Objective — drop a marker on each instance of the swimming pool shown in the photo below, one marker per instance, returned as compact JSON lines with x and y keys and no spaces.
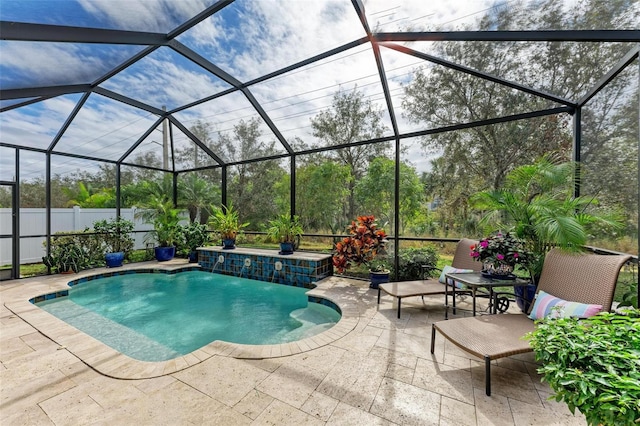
{"x":158,"y":316}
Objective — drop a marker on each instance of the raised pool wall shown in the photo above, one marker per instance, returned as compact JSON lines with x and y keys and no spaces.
{"x":300,"y":269}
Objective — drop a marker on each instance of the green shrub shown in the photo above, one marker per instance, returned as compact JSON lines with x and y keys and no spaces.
{"x":115,"y":235}
{"x":414,"y":260}
{"x":76,"y":251}
{"x":593,"y":364}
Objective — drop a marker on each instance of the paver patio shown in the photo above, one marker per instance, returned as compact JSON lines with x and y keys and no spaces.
{"x":375,"y":370}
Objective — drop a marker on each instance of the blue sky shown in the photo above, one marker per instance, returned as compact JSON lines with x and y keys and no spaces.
{"x":246,"y":39}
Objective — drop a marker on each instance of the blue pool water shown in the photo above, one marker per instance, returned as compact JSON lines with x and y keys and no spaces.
{"x":155,"y":317}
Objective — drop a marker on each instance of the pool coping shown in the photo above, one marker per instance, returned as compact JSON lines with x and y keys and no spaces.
{"x":111,"y":363}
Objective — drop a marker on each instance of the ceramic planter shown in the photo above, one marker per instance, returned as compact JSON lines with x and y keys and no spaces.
{"x":114,"y":260}
{"x":524,"y":296}
{"x":228,"y":243}
{"x":378,"y":278}
{"x":286,"y":248}
{"x":165,"y":253}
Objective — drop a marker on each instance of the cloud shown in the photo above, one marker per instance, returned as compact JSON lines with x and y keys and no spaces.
{"x":151,"y":16}
{"x":247,"y":39}
{"x":31,"y":64}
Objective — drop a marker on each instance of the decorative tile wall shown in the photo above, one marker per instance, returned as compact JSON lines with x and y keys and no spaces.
{"x":299,"y":269}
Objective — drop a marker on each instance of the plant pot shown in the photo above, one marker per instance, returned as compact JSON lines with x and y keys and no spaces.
{"x":524,"y":296}
{"x":378,"y":278}
{"x":228,"y":243}
{"x":114,"y":260}
{"x":193,"y":256}
{"x":165,"y":253}
{"x":286,"y":248}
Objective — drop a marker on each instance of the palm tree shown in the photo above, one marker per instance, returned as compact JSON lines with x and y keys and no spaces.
{"x":537,"y":203}
{"x":196,"y":195}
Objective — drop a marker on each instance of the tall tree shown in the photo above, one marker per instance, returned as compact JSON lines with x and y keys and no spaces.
{"x":197,"y":195}
{"x":438,"y":96}
{"x":375,"y":192}
{"x":322,"y":192}
{"x":351,"y":118}
{"x":250,"y":185}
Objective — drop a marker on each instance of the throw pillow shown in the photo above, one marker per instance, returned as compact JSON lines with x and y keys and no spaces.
{"x":545,"y":302}
{"x":451,"y":270}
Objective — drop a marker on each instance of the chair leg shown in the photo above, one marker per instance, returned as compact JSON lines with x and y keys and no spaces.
{"x":433,"y":337}
{"x":487,"y":374}
{"x":399,"y":303}
{"x":453,"y":298}
{"x":378,"y":294}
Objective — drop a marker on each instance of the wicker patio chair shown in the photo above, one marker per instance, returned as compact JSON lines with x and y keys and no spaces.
{"x":430,"y":287}
{"x":583,"y":278}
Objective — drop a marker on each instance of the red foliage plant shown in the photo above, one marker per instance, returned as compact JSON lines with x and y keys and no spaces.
{"x":361,"y":246}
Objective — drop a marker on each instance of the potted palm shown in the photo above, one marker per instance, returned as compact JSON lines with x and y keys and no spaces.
{"x":364,"y":243}
{"x":226,"y":221}
{"x":116,"y":239}
{"x":287,"y":230}
{"x":195,"y":235}
{"x":538,"y":206}
{"x":166,"y":228}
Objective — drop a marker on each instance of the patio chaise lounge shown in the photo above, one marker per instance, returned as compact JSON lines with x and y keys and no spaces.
{"x":588,"y":279}
{"x":429,"y":287}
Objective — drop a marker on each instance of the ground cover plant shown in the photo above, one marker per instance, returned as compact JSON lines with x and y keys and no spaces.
{"x":593,"y":364}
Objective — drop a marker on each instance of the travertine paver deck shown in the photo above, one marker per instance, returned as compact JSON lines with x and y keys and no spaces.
{"x":372,"y":369}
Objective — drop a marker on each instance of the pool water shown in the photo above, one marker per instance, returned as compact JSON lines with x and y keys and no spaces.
{"x":156,"y":316}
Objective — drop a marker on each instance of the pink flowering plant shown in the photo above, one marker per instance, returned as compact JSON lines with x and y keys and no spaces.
{"x":499,"y":249}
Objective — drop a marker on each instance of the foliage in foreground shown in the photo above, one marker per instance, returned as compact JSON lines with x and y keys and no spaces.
{"x":593,"y":364}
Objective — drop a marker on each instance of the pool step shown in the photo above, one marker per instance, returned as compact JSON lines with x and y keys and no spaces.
{"x":109,"y":332}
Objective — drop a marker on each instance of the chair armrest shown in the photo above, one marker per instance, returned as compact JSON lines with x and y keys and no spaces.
{"x":427,"y":271}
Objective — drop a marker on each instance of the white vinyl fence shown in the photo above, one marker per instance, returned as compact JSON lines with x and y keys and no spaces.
{"x":34,"y":222}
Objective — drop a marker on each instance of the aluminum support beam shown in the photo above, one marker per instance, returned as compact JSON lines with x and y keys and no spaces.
{"x":22,"y":31}
{"x":534,"y":35}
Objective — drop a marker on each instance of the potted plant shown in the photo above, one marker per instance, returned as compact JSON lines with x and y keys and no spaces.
{"x":364,"y":243}
{"x":66,"y":255}
{"x":599,"y":372}
{"x":166,"y":228}
{"x":499,"y":254}
{"x":287,"y":230}
{"x":379,"y":271}
{"x":226,"y":221}
{"x":116,"y":239}
{"x":538,"y":205}
{"x":195,"y":235}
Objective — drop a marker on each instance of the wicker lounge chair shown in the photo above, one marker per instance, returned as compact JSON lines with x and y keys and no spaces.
{"x":583,"y":278}
{"x":430,"y":287}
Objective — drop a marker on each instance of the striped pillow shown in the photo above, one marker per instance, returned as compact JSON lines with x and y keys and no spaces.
{"x":451,"y":270}
{"x":545,"y":302}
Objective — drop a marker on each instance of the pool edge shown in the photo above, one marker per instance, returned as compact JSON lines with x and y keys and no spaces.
{"x":109,"y":362}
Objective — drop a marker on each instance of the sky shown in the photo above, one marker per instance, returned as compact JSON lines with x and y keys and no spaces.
{"x":246,"y":39}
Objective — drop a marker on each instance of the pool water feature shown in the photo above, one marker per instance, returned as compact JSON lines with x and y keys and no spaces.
{"x":156,"y":316}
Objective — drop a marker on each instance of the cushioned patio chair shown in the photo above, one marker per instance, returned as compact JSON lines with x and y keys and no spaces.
{"x":462,"y":260}
{"x":583,"y":278}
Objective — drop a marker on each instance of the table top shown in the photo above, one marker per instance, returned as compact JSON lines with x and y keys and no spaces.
{"x":478,"y":280}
